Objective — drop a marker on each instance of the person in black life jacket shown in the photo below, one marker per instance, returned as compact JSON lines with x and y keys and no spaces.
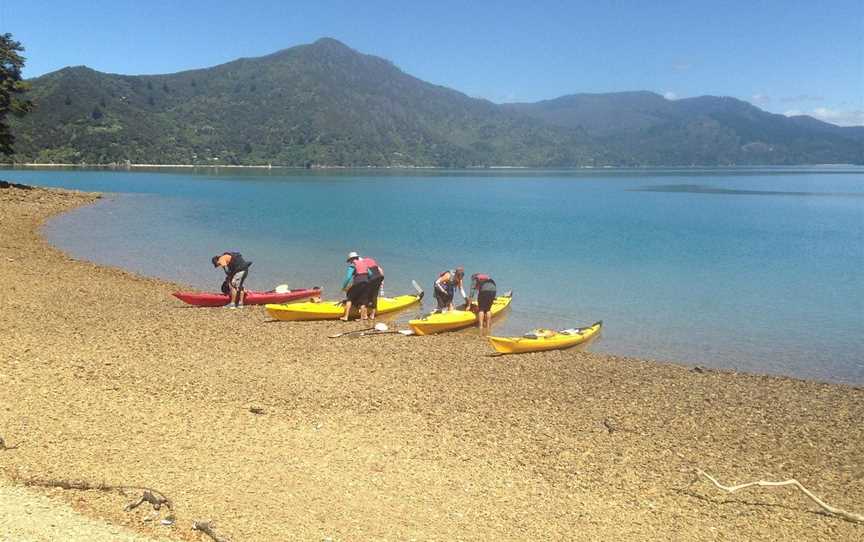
{"x":486,"y":292}
{"x":445,"y":288}
{"x":236,"y":271}
{"x":355,"y":285}
{"x":373,"y":289}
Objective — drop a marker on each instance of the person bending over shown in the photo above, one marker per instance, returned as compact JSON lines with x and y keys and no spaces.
{"x":373,"y":289}
{"x":445,"y":288}
{"x":236,"y":271}
{"x":486,"y":292}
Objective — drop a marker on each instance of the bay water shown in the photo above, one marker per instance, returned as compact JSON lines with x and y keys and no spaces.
{"x":752,"y":269}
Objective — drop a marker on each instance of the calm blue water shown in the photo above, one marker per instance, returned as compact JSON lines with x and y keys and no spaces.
{"x":711,"y":267}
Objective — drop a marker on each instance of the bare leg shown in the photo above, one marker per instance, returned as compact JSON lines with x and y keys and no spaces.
{"x":242,"y":297}
{"x":347,"y":311}
{"x":363,"y":312}
{"x":233,"y":300}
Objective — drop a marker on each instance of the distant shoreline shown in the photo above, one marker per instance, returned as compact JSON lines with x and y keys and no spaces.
{"x":33,"y":165}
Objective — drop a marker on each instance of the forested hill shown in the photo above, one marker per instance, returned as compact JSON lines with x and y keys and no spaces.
{"x":646,"y":128}
{"x":326,"y":104}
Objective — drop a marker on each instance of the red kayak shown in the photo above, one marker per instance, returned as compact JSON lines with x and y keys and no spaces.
{"x":252,"y":298}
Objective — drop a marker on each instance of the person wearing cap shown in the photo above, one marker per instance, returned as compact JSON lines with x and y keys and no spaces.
{"x":486,"y":292}
{"x":445,"y":286}
{"x":355,"y":285}
{"x":236,"y":270}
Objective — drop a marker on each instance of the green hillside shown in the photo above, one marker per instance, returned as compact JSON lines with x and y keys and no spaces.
{"x":645,"y":128}
{"x":326,"y":104}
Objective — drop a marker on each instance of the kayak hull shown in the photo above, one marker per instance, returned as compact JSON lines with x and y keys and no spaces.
{"x":556,"y":341}
{"x":332,"y":310}
{"x":205,"y":299}
{"x":439,"y":322}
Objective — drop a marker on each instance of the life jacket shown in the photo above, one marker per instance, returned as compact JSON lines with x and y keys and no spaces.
{"x":449,"y":286}
{"x":372,"y":268}
{"x":361,"y":266}
{"x":481,"y":278}
{"x":452,"y":275}
{"x":237,"y":263}
{"x":361,"y":271}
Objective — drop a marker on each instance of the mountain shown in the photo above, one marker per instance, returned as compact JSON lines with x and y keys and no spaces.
{"x":646,"y":128}
{"x":327,"y":104}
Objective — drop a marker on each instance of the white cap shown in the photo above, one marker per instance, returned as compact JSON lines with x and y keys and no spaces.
{"x":352,"y":255}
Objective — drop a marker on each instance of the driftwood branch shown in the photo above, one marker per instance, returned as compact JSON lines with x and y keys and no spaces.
{"x":207,"y":528}
{"x":848,"y":516}
{"x":157,"y":499}
{"x":612,"y":426}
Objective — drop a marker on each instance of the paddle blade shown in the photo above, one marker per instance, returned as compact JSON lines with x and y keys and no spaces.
{"x":417,"y":287}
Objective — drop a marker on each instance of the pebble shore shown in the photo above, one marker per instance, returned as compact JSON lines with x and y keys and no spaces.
{"x":275,"y":432}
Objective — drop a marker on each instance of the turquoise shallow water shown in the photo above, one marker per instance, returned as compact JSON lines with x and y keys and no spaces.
{"x":758,"y":270}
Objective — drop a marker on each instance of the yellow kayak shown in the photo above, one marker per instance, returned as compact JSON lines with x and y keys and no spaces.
{"x":545,"y":339}
{"x":455,"y":319}
{"x":331,"y":310}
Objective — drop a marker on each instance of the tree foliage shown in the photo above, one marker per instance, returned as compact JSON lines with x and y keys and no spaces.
{"x":326,"y":104}
{"x":11,"y":85}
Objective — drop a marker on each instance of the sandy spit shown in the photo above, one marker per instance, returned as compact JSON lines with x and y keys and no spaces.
{"x":105,"y":378}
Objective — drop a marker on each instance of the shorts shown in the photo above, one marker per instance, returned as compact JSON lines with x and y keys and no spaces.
{"x":485,"y":299}
{"x":357,"y":293}
{"x":374,"y":290}
{"x":237,"y":279}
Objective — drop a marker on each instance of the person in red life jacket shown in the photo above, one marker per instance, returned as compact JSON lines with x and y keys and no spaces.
{"x":236,"y":271}
{"x":486,"y":292}
{"x":445,"y":288}
{"x":356,"y":286}
{"x":373,"y":289}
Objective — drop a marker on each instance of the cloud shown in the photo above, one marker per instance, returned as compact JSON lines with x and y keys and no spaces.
{"x":760,"y":99}
{"x":840,"y":117}
{"x":669,"y":95}
{"x":802,"y":98}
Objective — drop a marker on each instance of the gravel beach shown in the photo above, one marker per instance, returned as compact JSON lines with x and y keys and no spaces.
{"x":273,"y":431}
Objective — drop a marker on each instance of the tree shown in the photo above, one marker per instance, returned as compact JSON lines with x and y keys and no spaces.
{"x":11,"y":85}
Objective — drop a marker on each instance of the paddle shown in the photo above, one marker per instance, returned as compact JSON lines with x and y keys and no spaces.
{"x":406,"y":332}
{"x":350,"y":332}
{"x":377,"y":328}
{"x":417,"y":287}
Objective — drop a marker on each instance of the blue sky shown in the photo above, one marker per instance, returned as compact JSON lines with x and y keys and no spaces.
{"x":789,"y":56}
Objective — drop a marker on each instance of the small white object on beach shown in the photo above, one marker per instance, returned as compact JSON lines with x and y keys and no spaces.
{"x":282,"y":289}
{"x":381,"y":326}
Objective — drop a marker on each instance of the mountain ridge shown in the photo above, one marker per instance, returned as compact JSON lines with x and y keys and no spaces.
{"x":325,"y":103}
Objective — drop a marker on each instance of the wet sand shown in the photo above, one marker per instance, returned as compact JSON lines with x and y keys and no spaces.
{"x":105,"y":377}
